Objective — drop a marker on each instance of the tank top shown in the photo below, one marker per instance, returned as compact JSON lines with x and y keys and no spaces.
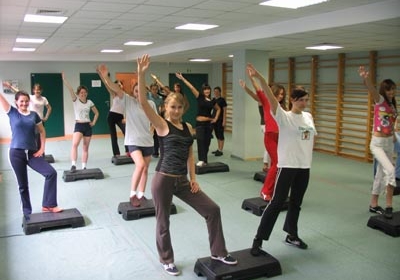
{"x":174,"y":150}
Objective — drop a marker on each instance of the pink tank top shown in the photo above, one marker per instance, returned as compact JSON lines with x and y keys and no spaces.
{"x":384,"y":118}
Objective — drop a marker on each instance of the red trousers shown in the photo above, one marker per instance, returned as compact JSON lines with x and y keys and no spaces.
{"x":271,"y":145}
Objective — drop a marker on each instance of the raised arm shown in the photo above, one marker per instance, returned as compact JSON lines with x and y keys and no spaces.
{"x":4,"y":103}
{"x":248,"y":91}
{"x":188,"y":84}
{"x":112,"y":88}
{"x":10,"y":86}
{"x":364,"y":74}
{"x":267,"y":90}
{"x":158,"y":122}
{"x":69,"y":87}
{"x":162,"y":86}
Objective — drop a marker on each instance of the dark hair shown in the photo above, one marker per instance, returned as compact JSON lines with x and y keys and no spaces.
{"x":297,"y":93}
{"x":118,"y":82}
{"x":154,"y":85}
{"x":387,"y":85}
{"x":80,"y":88}
{"x":276,"y":89}
{"x":218,"y":88}
{"x":21,"y":93}
{"x":205,"y":87}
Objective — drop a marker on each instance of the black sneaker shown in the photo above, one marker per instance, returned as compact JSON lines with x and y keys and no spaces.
{"x":295,"y":241}
{"x":218,"y":153}
{"x":377,"y":210}
{"x":171,"y":269}
{"x":73,"y":168}
{"x":388,"y":213}
{"x":228,"y":259}
{"x":214,"y":151}
{"x":256,"y":247}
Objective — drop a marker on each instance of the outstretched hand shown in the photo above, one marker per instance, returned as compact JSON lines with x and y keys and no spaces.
{"x":362,"y":72}
{"x":251,"y":70}
{"x":102,"y":70}
{"x":242,"y":83}
{"x":143,"y":63}
{"x":179,"y":75}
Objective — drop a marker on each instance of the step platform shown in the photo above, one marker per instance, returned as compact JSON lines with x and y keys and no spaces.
{"x":49,"y":158}
{"x":212,"y":167}
{"x":80,"y":174}
{"x":248,"y":267}
{"x":257,"y":205}
{"x":144,"y":210}
{"x":37,"y":222}
{"x":119,"y":160}
{"x":388,"y":226}
{"x":260,"y":176}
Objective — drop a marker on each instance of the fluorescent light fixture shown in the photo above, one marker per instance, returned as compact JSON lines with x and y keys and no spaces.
{"x":199,"y":59}
{"x":137,"y":43}
{"x":24,"y":49}
{"x":324,"y":47}
{"x":231,"y":55}
{"x":44,"y":19}
{"x":29,"y":40}
{"x":111,"y":51}
{"x":195,"y":26}
{"x":291,"y":4}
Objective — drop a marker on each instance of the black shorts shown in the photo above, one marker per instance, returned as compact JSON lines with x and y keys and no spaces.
{"x":146,"y":151}
{"x":83,"y":128}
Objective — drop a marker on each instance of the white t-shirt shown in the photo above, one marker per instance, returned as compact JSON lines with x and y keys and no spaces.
{"x":296,"y":138}
{"x":118,"y":105}
{"x":37,"y":104}
{"x":137,"y":131}
{"x":82,"y":110}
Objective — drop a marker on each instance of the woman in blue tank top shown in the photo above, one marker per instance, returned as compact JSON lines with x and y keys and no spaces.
{"x":176,"y":161}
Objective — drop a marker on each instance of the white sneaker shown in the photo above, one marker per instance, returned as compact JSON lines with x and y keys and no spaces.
{"x":201,"y":163}
{"x":171,"y":269}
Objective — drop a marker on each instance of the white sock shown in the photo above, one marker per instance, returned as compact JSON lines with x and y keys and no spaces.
{"x":83,"y":165}
{"x":133,"y":193}
{"x":140,"y":194}
{"x":74,"y":162}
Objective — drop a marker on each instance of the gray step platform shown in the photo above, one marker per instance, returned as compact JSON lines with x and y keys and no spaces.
{"x":37,"y":222}
{"x":248,"y":267}
{"x":212,"y":167}
{"x":119,"y":160}
{"x":144,"y":210}
{"x":49,"y":158}
{"x":388,"y":226}
{"x":257,"y":205}
{"x":80,"y":174}
{"x":260,"y":176}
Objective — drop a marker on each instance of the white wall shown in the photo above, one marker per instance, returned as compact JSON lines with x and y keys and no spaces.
{"x":21,"y":71}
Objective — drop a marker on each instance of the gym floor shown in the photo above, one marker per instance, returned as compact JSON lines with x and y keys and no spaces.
{"x":333,"y":222}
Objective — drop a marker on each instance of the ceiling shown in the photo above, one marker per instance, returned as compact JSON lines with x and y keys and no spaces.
{"x":93,"y":25}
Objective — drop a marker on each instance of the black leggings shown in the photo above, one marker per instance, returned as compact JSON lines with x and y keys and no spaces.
{"x":114,"y":119}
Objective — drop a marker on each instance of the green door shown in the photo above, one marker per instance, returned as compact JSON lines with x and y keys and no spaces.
{"x":52,"y":86}
{"x":197,"y":80}
{"x":101,"y":99}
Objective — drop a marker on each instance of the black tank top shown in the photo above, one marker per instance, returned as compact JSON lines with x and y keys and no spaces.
{"x":174,"y":150}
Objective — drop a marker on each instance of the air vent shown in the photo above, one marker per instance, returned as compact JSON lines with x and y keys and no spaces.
{"x":49,"y":12}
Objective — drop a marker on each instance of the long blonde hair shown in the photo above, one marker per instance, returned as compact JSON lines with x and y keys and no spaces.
{"x":179,"y":98}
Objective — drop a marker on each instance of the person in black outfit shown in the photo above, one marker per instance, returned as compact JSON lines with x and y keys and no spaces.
{"x":219,"y":125}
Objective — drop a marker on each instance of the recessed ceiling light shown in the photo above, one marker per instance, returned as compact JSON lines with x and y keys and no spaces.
{"x":195,"y":26}
{"x":110,"y":51}
{"x":231,"y":55}
{"x":44,"y":19}
{"x":291,"y":4}
{"x":324,"y":47}
{"x":137,"y":43}
{"x":199,"y":59}
{"x":29,"y":40}
{"x":24,"y":49}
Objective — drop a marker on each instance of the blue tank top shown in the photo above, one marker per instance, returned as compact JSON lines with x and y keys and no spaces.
{"x":23,"y":129}
{"x":174,"y":150}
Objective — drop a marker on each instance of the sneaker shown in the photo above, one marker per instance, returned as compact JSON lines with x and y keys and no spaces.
{"x":214,"y":151}
{"x":134,"y":200}
{"x":171,"y":269}
{"x":228,"y":259}
{"x":265,"y":197}
{"x":155,"y":155}
{"x":256,"y":247}
{"x":52,"y":209}
{"x":73,"y":168}
{"x":218,"y":153}
{"x":377,"y":210}
{"x":388,"y":213}
{"x":295,"y":241}
{"x":201,"y":164}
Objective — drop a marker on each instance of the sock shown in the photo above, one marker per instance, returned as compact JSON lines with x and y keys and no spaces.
{"x":140,"y":194}
{"x":74,"y":162}
{"x":133,"y":193}
{"x":83,"y":165}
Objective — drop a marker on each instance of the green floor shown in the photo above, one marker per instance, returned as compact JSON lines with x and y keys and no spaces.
{"x":333,"y":223}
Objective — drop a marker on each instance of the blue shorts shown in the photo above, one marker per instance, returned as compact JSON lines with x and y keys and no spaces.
{"x":146,"y":151}
{"x":83,"y":128}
